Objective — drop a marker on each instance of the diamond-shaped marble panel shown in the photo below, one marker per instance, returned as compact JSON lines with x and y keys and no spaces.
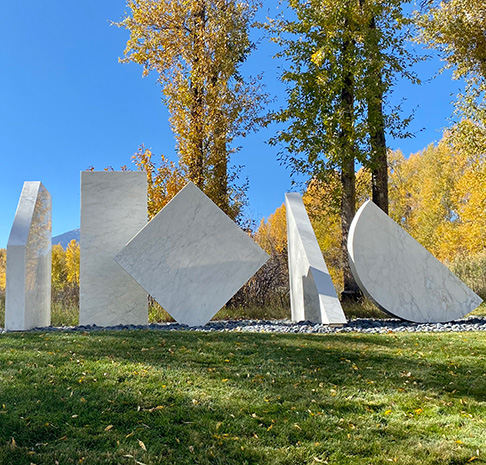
{"x":191,"y":258}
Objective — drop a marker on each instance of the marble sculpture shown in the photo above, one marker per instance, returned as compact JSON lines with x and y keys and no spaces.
{"x":113,"y":209}
{"x":312,"y":294}
{"x":401,"y":276}
{"x":191,"y":257}
{"x":28,"y":286}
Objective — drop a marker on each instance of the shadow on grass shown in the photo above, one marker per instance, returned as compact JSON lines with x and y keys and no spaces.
{"x":231,"y":398}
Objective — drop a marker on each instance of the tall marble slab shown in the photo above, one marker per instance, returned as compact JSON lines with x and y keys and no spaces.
{"x":312,"y":294}
{"x":28,"y":286}
{"x":113,"y":209}
{"x":401,"y":276}
{"x":191,"y":257}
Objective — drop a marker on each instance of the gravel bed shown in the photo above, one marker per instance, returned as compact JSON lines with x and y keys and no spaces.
{"x":359,"y":325}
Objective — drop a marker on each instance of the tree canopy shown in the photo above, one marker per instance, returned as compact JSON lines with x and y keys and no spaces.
{"x":197,"y":48}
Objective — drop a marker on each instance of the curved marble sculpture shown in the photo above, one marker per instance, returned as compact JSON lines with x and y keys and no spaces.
{"x":28,"y":286}
{"x":191,"y":257}
{"x":312,"y":294}
{"x":113,"y":209}
{"x":401,"y":276}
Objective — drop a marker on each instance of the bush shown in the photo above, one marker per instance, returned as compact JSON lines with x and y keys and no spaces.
{"x":472,"y":270}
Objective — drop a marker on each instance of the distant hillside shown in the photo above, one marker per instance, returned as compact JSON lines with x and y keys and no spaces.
{"x":66,"y":238}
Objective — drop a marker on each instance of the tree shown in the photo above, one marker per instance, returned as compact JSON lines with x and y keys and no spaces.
{"x":197,"y":48}
{"x":343,"y":57}
{"x":456,"y":29}
{"x":58,"y":267}
{"x":65,"y":275}
{"x":3,"y":269}
{"x":439,"y":196}
{"x":163,"y":181}
{"x":72,"y":263}
{"x":271,"y":235}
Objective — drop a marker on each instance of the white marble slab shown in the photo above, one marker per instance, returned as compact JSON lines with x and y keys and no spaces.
{"x":113,"y":209}
{"x":312,"y":294}
{"x":401,"y":276}
{"x":28,"y":286}
{"x":191,"y":257}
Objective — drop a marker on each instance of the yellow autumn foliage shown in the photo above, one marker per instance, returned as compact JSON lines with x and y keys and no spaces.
{"x":438,"y":195}
{"x":3,"y":269}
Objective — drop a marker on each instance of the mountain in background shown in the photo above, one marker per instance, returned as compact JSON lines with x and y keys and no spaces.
{"x":66,"y":238}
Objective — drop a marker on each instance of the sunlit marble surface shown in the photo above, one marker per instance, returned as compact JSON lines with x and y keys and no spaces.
{"x":113,"y":209}
{"x":191,"y":257}
{"x":401,"y":276}
{"x":28,"y":287}
{"x":312,"y":294}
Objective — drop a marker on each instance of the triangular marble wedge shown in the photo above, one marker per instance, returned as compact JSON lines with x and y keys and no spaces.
{"x":401,"y":276}
{"x":28,"y":289}
{"x":191,"y":258}
{"x":312,"y":294}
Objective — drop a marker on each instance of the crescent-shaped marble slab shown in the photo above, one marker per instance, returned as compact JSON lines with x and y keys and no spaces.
{"x":399,"y":275}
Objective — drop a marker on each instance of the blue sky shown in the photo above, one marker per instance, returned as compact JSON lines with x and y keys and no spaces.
{"x":66,"y":104}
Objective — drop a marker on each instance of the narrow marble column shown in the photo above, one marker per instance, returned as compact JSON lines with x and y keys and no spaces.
{"x":28,"y":287}
{"x":399,"y":275}
{"x":113,"y":209}
{"x":312,"y":294}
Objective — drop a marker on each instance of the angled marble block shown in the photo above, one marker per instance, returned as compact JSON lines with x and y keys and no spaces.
{"x":113,"y":209}
{"x":191,"y":257}
{"x":401,"y":276}
{"x":28,"y":287}
{"x":312,"y":294}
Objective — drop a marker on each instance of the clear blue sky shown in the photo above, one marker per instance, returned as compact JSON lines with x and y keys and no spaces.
{"x":66,"y":104}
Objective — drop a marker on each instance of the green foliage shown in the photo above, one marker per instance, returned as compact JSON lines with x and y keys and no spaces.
{"x":456,"y":29}
{"x":327,"y":44}
{"x":150,"y":397}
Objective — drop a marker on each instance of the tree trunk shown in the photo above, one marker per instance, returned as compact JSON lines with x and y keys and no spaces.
{"x":195,"y":157}
{"x":348,"y":177}
{"x":348,"y":210}
{"x":376,"y":120}
{"x":379,"y":166}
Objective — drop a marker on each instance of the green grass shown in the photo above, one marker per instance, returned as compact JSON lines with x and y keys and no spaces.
{"x":227,"y":398}
{"x":157,"y":314}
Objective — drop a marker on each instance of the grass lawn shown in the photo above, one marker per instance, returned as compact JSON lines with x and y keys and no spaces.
{"x":145,"y":397}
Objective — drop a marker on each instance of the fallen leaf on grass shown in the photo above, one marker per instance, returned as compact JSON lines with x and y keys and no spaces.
{"x":159,"y":407}
{"x":142,"y":445}
{"x":108,"y":427}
